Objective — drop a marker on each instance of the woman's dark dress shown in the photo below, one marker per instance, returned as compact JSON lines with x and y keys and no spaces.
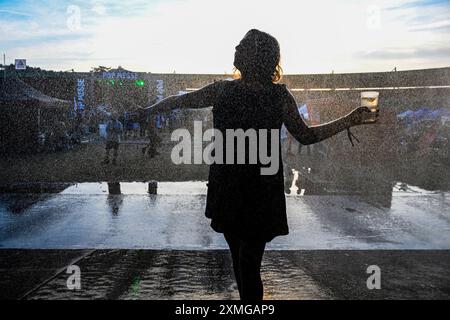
{"x":240,"y":200}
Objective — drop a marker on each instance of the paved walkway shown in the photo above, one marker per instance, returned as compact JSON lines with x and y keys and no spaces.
{"x":134,"y":245}
{"x":87,"y":216}
{"x":203,"y":275}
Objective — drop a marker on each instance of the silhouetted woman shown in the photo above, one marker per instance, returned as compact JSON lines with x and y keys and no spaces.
{"x":247,"y":207}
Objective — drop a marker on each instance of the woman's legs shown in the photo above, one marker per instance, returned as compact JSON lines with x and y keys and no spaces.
{"x":234,"y":244}
{"x":251,"y":254}
{"x":247,"y":257}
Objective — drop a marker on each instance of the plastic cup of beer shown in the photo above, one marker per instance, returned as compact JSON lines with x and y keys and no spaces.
{"x":369,"y":99}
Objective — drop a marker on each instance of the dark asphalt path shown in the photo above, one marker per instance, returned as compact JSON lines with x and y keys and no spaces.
{"x":203,"y":275}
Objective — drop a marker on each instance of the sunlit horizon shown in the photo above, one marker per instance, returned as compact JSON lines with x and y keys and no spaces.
{"x":199,"y":36}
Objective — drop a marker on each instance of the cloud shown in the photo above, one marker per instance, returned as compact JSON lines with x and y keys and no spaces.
{"x":11,"y":13}
{"x":200,"y":35}
{"x":99,"y":9}
{"x":437,"y":26}
{"x":419,"y":4}
{"x":424,"y":15}
{"x":402,"y":54}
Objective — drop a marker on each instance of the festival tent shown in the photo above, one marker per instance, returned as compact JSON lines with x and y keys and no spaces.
{"x":14,"y":89}
{"x":421,"y":113}
{"x":405,"y":114}
{"x":424,"y":114}
{"x":24,"y":112}
{"x":438,"y":113}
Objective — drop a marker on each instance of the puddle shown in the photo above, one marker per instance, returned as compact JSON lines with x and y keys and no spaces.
{"x":138,"y":188}
{"x":297,"y":187}
{"x":123,"y":215}
{"x":401,"y":188}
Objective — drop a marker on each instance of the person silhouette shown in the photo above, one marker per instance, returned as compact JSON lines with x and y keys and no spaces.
{"x":247,"y":207}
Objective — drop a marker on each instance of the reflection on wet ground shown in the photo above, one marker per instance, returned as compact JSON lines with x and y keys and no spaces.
{"x":203,"y":275}
{"x":185,"y":259}
{"x":199,"y":275}
{"x":129,"y":215}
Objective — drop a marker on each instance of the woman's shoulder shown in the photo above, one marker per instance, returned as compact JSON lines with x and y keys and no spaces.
{"x":282,"y":90}
{"x":279,"y":88}
{"x":219,"y":85}
{"x":224,"y":82}
{"x":282,"y":86}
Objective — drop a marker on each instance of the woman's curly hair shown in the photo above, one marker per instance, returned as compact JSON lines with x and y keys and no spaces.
{"x":266,"y":60}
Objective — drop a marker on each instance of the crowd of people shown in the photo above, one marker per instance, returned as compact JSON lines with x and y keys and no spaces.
{"x":428,"y":137}
{"x":59,"y":135}
{"x":130,"y":125}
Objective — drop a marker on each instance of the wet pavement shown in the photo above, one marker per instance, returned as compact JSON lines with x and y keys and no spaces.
{"x":95,"y":215}
{"x":207,"y":274}
{"x":131,"y":244}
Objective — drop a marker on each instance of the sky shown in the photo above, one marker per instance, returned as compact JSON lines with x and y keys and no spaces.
{"x":199,"y":36}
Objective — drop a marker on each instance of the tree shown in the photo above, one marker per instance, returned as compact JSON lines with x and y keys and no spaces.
{"x":100,"y":69}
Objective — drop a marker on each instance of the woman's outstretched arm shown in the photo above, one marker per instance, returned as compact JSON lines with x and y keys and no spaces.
{"x":201,"y":98}
{"x":312,"y":134}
